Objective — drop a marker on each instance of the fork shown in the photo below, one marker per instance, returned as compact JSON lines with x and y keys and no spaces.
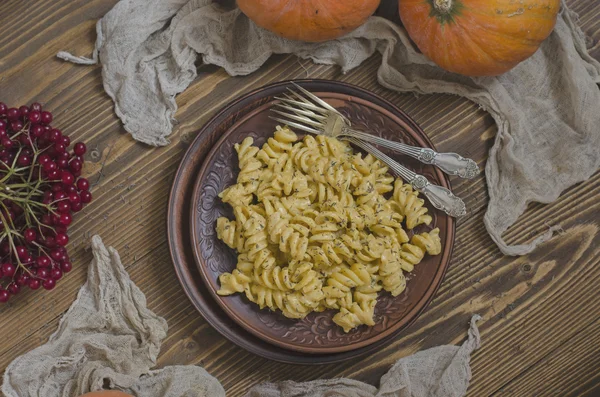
{"x":319,"y":117}
{"x":440,"y":197}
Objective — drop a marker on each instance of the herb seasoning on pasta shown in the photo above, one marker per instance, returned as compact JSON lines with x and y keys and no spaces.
{"x":314,"y":231}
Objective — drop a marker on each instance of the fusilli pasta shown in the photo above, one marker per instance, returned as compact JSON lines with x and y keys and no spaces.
{"x":317,"y":227}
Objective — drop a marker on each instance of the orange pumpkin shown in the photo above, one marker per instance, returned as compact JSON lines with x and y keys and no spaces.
{"x":478,"y":37}
{"x":107,"y":393}
{"x":309,"y":20}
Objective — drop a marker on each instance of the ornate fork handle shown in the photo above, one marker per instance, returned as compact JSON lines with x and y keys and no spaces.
{"x":440,"y":197}
{"x":450,"y":163}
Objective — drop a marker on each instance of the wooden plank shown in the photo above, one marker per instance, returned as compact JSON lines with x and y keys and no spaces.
{"x":537,"y":309}
{"x":581,"y":352}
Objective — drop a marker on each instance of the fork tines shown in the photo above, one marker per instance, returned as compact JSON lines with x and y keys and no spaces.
{"x":302,"y":113}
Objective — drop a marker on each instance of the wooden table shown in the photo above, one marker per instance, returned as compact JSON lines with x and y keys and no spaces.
{"x":540,"y":328}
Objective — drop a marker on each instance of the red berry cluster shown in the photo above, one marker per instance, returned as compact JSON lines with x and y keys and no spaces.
{"x":40,"y":189}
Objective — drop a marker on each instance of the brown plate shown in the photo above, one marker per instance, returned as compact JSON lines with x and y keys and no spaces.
{"x":316,"y":334}
{"x":179,"y":236}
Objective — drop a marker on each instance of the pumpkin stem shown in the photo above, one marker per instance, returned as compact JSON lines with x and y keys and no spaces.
{"x":443,"y":6}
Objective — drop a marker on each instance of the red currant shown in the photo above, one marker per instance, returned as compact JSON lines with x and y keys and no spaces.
{"x":74,"y":198}
{"x":36,"y":162}
{"x":34,"y":283}
{"x":12,"y":114}
{"x":56,"y":254}
{"x":25,"y":140}
{"x":62,"y":163}
{"x":60,"y":229}
{"x":65,"y":219}
{"x":49,"y":166}
{"x":43,"y":261}
{"x":47,"y":220}
{"x":59,"y":148}
{"x":7,"y":143}
{"x":56,"y":274}
{"x":50,"y":242}
{"x":13,"y":288}
{"x":66,"y":266}
{"x":24,"y":160}
{"x":43,"y":273}
{"x":49,"y":284}
{"x":8,"y":270}
{"x":67,"y":177}
{"x":30,"y":235}
{"x":63,"y":206}
{"x":48,"y":197}
{"x":44,"y":159}
{"x":16,"y":125}
{"x":79,"y":149}
{"x":53,"y":175}
{"x":46,"y":117}
{"x":55,"y":135}
{"x":86,"y":196}
{"x":35,"y":116}
{"x":22,"y":280}
{"x":75,"y":165}
{"x":24,"y":112}
{"x":21,"y":251}
{"x":62,"y":239}
{"x":59,"y":194}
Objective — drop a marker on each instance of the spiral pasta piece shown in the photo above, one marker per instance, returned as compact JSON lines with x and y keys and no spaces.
{"x":410,"y":205}
{"x":230,"y":234}
{"x":303,"y":157}
{"x":356,"y":315}
{"x":290,"y":241}
{"x":347,"y":278}
{"x":390,"y":272}
{"x":233,"y":282}
{"x":275,"y":277}
{"x":238,"y":195}
{"x":428,"y":242}
{"x":277,"y":146}
{"x":412,"y":253}
{"x":333,"y":148}
{"x":250,"y":166}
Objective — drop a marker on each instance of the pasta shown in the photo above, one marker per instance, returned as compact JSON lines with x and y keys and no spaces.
{"x":319,"y":227}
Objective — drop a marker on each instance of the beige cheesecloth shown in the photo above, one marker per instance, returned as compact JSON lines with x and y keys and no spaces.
{"x":547,"y":109}
{"x":110,"y":338}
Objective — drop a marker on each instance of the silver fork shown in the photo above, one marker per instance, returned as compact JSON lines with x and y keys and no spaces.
{"x":318,"y":117}
{"x":440,"y":197}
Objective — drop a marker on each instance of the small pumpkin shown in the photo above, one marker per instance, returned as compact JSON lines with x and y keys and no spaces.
{"x":107,"y":393}
{"x":478,"y":37}
{"x":309,"y":20}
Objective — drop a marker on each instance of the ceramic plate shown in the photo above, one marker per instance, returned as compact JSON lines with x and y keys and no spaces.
{"x":315,"y":334}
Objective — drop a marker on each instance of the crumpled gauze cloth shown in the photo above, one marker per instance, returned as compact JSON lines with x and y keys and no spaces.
{"x":546,"y":109}
{"x":109,"y":338}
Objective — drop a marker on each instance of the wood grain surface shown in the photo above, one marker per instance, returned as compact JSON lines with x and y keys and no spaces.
{"x":540,"y":328}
